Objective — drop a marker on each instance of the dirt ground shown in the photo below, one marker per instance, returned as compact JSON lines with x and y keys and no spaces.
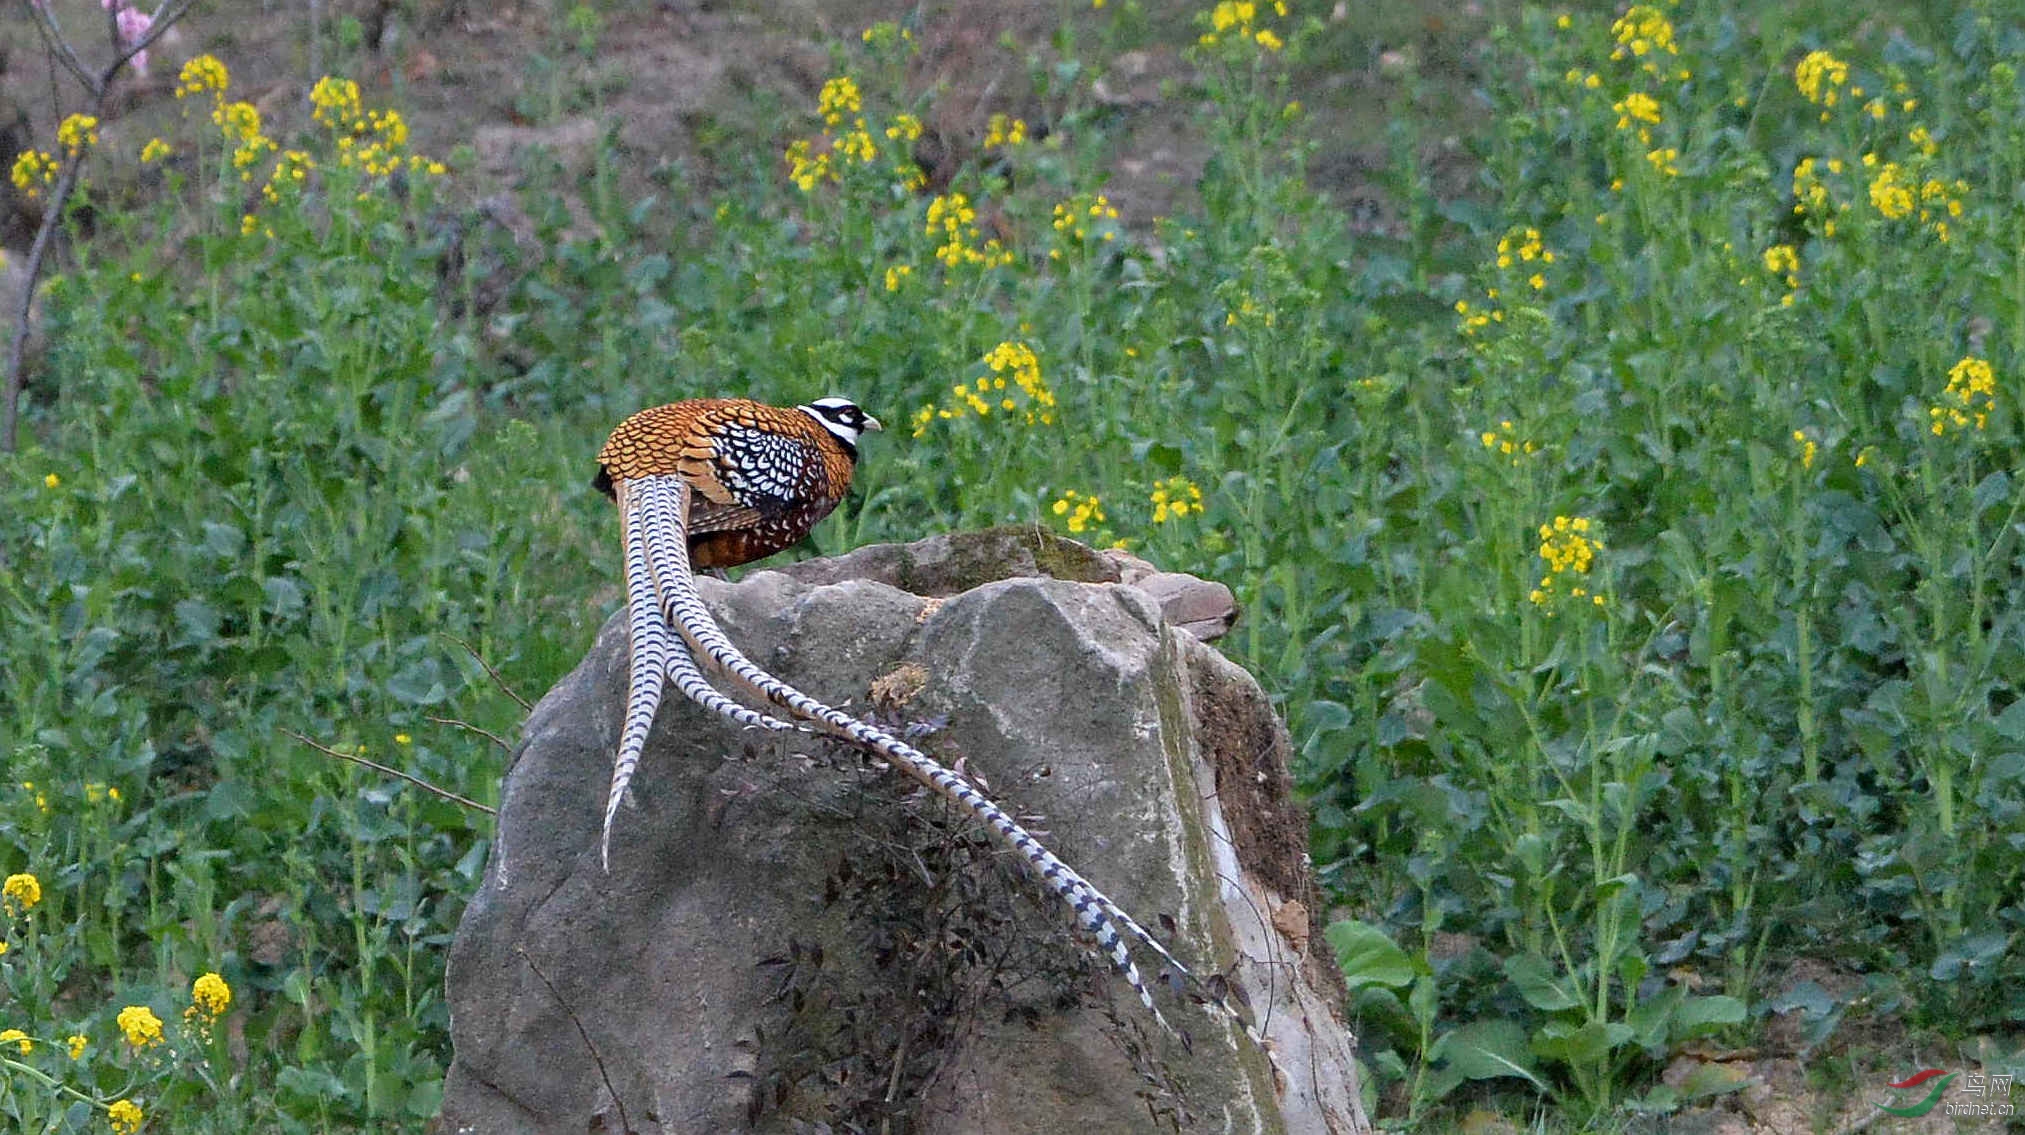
{"x":686,"y":84}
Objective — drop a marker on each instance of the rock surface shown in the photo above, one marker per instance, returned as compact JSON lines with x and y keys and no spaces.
{"x":792,"y":938}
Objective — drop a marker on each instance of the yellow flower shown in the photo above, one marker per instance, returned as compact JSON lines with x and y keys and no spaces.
{"x":1663,"y":160}
{"x":20,"y":893}
{"x":125,"y":1117}
{"x":76,"y":1043}
{"x":1818,"y":75}
{"x":805,"y":169}
{"x":1891,"y":193}
{"x":33,"y":170}
{"x":237,"y":121}
{"x":1268,"y":40}
{"x":204,"y":73}
{"x":3,"y":946}
{"x":896,"y":274}
{"x":76,"y":133}
{"x":1228,"y":14}
{"x":886,"y":33}
{"x":1175,"y":498}
{"x":1969,"y":398}
{"x":1807,"y":448}
{"x":51,"y":480}
{"x":19,"y":1038}
{"x":839,"y":97}
{"x":390,"y":126}
{"x":1003,"y":131}
{"x":905,"y":128}
{"x":337,"y":103}
{"x":142,"y":1028}
{"x":952,"y":217}
{"x":1074,"y":218}
{"x":240,"y":124}
{"x":154,"y":151}
{"x":1506,"y":442}
{"x":1636,"y":107}
{"x":1019,"y":361}
{"x":1082,"y":511}
{"x":856,"y":144}
{"x":1641,"y":31}
{"x":210,"y":995}
{"x":1784,"y":260}
{"x":1568,"y":545}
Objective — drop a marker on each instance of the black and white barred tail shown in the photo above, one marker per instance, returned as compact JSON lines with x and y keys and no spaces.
{"x":657,"y":656}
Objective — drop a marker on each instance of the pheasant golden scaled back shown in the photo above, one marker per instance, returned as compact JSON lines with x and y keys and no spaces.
{"x":761,"y":476}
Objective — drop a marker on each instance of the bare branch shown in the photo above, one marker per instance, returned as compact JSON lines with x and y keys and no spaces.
{"x":17,"y":350}
{"x":497,"y":680}
{"x":494,"y":737}
{"x":378,"y":767}
{"x":59,"y":46}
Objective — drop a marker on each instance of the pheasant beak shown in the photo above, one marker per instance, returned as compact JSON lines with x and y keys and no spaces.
{"x":872,"y":423}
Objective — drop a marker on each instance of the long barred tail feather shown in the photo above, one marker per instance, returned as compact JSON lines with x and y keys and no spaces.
{"x":662,"y":504}
{"x":657,"y":656}
{"x":652,"y":642}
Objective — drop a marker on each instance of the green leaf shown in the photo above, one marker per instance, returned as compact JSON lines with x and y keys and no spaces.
{"x":1486,"y":1050}
{"x":1423,"y":999}
{"x":425,"y":1099}
{"x":223,"y":540}
{"x":1712,"y":1078}
{"x":1698,"y":1015}
{"x":1583,"y":1044}
{"x":1661,"y":1100}
{"x":1651,"y":1018}
{"x":2011,"y":722}
{"x":418,"y":683}
{"x":1537,"y":983}
{"x":1367,"y":956}
{"x":1991,"y":491}
{"x":198,"y":622}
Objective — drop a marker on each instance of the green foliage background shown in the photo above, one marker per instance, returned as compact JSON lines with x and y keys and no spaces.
{"x":286,"y":470}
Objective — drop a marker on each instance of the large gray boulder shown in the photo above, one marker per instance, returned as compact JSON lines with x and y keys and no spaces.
{"x":792,"y":938}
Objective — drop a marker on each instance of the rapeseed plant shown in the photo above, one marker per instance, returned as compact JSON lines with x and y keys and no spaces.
{"x":1173,"y":499}
{"x":1569,"y":547}
{"x":1966,"y":403}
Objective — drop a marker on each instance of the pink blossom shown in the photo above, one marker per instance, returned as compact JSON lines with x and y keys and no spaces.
{"x":133,"y":24}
